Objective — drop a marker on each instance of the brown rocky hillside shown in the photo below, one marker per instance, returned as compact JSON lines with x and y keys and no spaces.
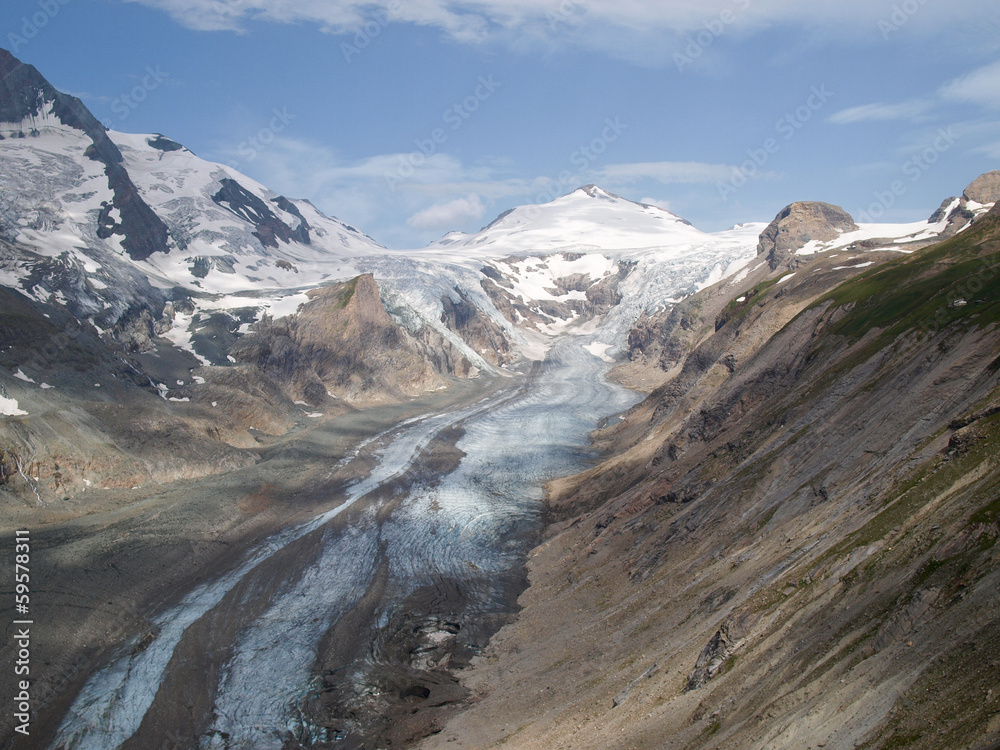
{"x":792,"y":543}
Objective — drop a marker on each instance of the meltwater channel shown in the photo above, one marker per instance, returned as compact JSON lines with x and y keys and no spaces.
{"x":264,"y":622}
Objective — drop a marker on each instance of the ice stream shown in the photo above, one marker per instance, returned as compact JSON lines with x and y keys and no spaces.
{"x":474,"y":518}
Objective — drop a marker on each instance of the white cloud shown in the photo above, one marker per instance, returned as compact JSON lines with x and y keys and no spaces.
{"x":665,"y":205}
{"x":436,"y":191}
{"x":627,"y":28}
{"x":879,"y":112}
{"x":980,"y":87}
{"x":449,"y":215}
{"x":990,"y":150}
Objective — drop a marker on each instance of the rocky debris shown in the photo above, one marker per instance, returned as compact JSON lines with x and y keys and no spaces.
{"x":512,"y":308}
{"x":918,"y":609}
{"x":728,"y":639}
{"x":623,"y":695}
{"x":135,"y":332}
{"x":243,"y":398}
{"x":800,"y":223}
{"x":202,"y":265}
{"x":655,"y":336}
{"x":600,"y":295}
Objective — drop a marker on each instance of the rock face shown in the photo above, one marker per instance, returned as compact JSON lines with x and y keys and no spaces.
{"x":477,"y":330}
{"x":984,"y":189}
{"x":269,"y":228}
{"x":973,"y":203}
{"x":25,"y":95}
{"x":799,"y":223}
{"x":561,"y":302}
{"x":340,"y":344}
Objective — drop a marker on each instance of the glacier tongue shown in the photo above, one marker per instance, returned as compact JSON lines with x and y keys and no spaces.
{"x":479,"y":517}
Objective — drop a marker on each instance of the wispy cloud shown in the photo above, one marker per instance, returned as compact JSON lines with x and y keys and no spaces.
{"x":979,"y":87}
{"x":448,"y":215}
{"x":616,"y":26}
{"x":912,"y":110}
{"x":665,"y":205}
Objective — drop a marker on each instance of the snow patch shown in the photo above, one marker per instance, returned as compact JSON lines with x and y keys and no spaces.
{"x":9,"y":408}
{"x":857,"y":265}
{"x":599,"y":350}
{"x":714,"y":277}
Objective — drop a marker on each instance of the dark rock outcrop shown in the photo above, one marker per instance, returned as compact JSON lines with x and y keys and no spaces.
{"x":476,"y":329}
{"x":269,"y":228}
{"x":25,"y":95}
{"x":301,"y":232}
{"x":727,"y":640}
{"x":600,"y":295}
{"x":983,"y":190}
{"x":164,"y":144}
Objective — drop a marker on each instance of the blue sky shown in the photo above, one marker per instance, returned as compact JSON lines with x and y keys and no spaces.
{"x":410,"y":119}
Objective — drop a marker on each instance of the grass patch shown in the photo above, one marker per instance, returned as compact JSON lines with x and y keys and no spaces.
{"x":346,"y":294}
{"x":768,"y":515}
{"x":737,"y":311}
{"x":728,"y":665}
{"x":901,"y":740}
{"x":917,"y":292}
{"x":926,"y":571}
{"x":989,"y":513}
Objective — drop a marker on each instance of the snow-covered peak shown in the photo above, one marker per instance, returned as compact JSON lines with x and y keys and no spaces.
{"x":174,"y":181}
{"x":587,"y":218}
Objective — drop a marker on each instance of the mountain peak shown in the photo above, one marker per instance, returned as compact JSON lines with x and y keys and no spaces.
{"x":799,"y":223}
{"x":595,"y":191}
{"x":985,"y":189}
{"x":589,"y":216}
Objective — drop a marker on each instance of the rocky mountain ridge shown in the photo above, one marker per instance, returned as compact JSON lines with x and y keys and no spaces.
{"x":792,"y":542}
